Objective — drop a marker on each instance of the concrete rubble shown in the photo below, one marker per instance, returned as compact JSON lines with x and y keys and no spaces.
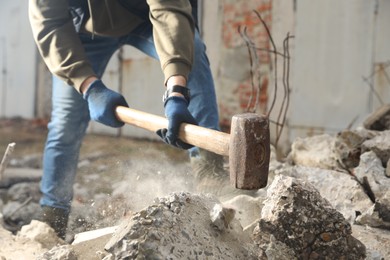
{"x":328,"y":199}
{"x":180,"y":226}
{"x":296,"y":215}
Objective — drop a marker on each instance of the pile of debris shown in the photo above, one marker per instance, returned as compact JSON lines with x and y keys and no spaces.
{"x":328,"y":200}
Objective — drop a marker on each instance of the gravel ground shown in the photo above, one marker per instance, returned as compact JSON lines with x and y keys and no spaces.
{"x":116,"y":175}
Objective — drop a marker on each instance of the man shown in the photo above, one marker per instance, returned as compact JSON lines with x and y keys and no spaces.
{"x":76,"y":39}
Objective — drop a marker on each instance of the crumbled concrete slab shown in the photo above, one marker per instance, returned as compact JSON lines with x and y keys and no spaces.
{"x":297,"y":216}
{"x":380,"y":145}
{"x":340,"y":188}
{"x":247,"y":208}
{"x":371,"y":172}
{"x":315,"y":151}
{"x":180,"y":226}
{"x":41,"y":233}
{"x":17,"y":247}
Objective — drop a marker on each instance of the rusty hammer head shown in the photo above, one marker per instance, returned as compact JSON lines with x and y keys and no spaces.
{"x":249,"y":151}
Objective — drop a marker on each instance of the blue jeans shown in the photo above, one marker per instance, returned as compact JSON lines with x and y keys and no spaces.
{"x":70,"y":115}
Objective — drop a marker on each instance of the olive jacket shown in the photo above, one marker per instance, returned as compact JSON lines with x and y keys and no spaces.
{"x":56,"y":23}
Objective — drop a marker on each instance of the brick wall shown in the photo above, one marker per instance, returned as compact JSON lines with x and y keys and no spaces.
{"x":238,"y":92}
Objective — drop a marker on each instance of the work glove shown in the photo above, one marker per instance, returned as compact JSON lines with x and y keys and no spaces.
{"x":102,"y":102}
{"x":176,"y":112}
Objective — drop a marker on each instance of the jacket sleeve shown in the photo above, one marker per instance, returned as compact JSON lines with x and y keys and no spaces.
{"x":173,"y":32}
{"x":58,"y":42}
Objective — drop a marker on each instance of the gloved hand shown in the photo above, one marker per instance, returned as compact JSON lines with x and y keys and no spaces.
{"x":176,"y":112}
{"x":102,"y":103}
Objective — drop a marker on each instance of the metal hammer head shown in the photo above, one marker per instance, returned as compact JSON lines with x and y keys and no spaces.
{"x":249,"y":151}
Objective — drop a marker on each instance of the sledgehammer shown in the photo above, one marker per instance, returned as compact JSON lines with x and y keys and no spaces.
{"x":247,"y":145}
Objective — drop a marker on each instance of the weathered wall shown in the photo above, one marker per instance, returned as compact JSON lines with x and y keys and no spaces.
{"x":17,"y":61}
{"x":336,"y":45}
{"x":233,"y":74}
{"x":230,"y":60}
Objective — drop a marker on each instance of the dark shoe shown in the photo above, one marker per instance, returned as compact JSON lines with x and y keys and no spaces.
{"x":56,"y":218}
{"x":211,"y":176}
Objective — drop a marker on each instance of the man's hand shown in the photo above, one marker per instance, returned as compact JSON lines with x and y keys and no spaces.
{"x":177,"y":112}
{"x":102,"y":103}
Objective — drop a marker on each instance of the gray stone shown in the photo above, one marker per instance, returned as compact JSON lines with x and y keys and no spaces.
{"x":221,"y":217}
{"x":371,"y":218}
{"x":17,"y":214}
{"x":296,"y":215}
{"x":371,"y":174}
{"x":247,"y":208}
{"x":347,"y":146}
{"x":23,"y":191}
{"x":382,"y":205}
{"x":377,"y":215}
{"x":377,"y":241}
{"x":41,"y":233}
{"x":341,"y":189}
{"x":380,"y":145}
{"x":366,"y":133}
{"x":316,"y":151}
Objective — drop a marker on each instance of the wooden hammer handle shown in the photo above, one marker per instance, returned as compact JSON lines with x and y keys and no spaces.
{"x":208,"y":139}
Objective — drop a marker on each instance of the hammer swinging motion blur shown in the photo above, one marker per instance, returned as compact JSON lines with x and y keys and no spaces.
{"x":247,"y":145}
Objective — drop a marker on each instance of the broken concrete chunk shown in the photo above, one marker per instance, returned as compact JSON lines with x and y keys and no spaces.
{"x":379,"y":214}
{"x":247,"y":208}
{"x":380,"y":145}
{"x":371,"y":218}
{"x":341,"y":189}
{"x":379,"y":120}
{"x":22,"y":191}
{"x":41,"y":233}
{"x":371,"y":173}
{"x":17,"y":214}
{"x":315,"y":151}
{"x":297,"y":216}
{"x":221,"y":217}
{"x":178,"y":227}
{"x":382,"y":205}
{"x":347,"y":146}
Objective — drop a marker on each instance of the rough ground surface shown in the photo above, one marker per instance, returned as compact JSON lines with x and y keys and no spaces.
{"x":116,"y":176}
{"x":119,"y":180}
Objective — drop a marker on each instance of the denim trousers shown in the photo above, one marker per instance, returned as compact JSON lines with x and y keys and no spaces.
{"x":70,"y":114}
